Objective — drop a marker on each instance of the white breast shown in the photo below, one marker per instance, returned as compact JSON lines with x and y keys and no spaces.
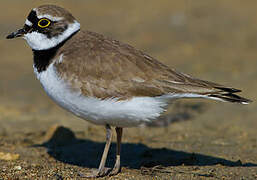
{"x":125,"y":113}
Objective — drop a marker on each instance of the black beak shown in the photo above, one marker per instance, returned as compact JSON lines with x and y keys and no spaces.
{"x":16,"y":34}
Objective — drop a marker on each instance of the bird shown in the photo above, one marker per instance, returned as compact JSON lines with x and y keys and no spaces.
{"x":105,"y":81}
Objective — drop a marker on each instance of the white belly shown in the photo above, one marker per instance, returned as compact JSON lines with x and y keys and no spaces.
{"x":126,"y":113}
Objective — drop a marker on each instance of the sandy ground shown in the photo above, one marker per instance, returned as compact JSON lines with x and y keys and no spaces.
{"x":196,"y":139}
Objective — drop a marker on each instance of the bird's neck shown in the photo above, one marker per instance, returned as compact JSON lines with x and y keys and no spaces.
{"x":43,"y":58}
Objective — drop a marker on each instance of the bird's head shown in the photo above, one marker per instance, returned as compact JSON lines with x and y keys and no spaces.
{"x":46,"y":27}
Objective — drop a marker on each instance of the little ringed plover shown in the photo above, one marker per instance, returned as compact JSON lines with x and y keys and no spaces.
{"x":104,"y":81}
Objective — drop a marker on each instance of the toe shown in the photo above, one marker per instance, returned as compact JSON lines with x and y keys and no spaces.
{"x":115,"y":171}
{"x":103,"y":172}
{"x":97,"y":173}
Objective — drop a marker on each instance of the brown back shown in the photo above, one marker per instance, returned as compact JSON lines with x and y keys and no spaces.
{"x":106,"y":68}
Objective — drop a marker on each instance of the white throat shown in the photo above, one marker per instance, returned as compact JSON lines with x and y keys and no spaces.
{"x":39,"y":41}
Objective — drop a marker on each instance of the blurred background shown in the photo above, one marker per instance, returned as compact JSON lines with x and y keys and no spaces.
{"x":211,"y":40}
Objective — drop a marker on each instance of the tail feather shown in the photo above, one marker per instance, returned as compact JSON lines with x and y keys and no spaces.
{"x":228,"y":95}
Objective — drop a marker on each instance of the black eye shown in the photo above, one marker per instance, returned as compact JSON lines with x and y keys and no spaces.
{"x":43,"y":23}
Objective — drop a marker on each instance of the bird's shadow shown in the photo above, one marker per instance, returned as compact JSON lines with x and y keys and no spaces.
{"x":87,"y":153}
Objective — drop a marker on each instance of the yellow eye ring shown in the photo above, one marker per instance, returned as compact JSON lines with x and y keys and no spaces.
{"x":43,"y":23}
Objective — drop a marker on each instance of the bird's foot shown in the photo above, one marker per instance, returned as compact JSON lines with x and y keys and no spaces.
{"x":115,"y":171}
{"x":97,"y":173}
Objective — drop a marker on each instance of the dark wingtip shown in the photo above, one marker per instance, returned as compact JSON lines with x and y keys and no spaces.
{"x":228,"y":94}
{"x":230,"y":90}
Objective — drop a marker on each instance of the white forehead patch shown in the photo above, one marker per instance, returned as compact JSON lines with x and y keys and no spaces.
{"x":28,"y":23}
{"x":39,"y":41}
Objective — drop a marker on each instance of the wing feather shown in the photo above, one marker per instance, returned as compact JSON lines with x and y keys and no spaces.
{"x":106,"y":68}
